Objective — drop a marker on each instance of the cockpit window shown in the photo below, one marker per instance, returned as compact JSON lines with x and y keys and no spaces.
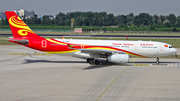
{"x":170,"y":46}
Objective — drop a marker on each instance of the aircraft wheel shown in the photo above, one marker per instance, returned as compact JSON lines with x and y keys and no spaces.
{"x":157,"y":62}
{"x":91,"y":61}
{"x":97,"y":62}
{"x":107,"y":60}
{"x":88,"y":59}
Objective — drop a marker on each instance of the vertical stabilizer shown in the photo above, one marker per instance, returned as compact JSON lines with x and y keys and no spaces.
{"x":18,"y":27}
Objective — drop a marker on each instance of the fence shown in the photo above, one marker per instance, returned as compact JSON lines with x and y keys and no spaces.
{"x":94,"y":31}
{"x":143,"y":32}
{"x":43,"y":30}
{"x":140,"y":32}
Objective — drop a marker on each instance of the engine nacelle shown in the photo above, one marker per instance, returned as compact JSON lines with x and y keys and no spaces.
{"x":118,"y":58}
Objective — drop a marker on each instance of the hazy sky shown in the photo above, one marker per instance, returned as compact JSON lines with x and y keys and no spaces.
{"x":164,"y":7}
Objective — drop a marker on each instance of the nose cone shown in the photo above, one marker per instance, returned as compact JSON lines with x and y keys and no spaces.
{"x":175,"y":50}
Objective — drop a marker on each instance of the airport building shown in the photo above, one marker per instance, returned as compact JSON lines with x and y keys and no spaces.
{"x":2,"y":15}
{"x":26,"y":13}
{"x":50,"y":16}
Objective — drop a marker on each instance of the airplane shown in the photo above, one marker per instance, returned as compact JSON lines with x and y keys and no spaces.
{"x":115,"y":51}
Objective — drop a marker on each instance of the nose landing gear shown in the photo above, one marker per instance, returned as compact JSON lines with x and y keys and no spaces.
{"x":157,"y":60}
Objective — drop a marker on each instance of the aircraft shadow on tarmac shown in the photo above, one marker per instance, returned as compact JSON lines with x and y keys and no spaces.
{"x":151,"y":62}
{"x":102,"y":62}
{"x":102,"y":65}
{"x":47,"y":61}
{"x":95,"y":67}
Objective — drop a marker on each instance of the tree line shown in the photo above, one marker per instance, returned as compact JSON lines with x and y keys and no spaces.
{"x":143,"y":21}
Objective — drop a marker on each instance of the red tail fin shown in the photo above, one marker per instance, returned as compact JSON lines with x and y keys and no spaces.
{"x":18,"y":27}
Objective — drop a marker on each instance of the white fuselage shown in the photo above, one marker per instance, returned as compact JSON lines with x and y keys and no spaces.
{"x":142,"y":48}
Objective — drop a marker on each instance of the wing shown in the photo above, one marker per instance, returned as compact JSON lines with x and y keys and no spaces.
{"x":101,"y":52}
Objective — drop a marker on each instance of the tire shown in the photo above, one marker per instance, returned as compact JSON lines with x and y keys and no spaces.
{"x":97,"y":62}
{"x":91,"y":62}
{"x":88,"y":59}
{"x":157,"y":62}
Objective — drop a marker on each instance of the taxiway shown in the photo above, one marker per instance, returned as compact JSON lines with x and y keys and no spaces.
{"x":26,"y":75}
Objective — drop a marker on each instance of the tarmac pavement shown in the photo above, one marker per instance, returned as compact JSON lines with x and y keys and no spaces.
{"x":26,"y":75}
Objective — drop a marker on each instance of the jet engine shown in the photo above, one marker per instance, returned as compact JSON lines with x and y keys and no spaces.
{"x":118,"y":58}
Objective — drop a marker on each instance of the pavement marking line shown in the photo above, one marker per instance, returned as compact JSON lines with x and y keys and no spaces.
{"x":25,"y":54}
{"x":111,"y":84}
{"x":177,"y":64}
{"x":141,"y":64}
{"x":19,"y":54}
{"x":43,"y":54}
{"x":135,"y":58}
{"x":160,"y":64}
{"x":12,"y":58}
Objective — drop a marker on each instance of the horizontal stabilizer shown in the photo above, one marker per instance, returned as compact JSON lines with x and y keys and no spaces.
{"x":22,"y":41}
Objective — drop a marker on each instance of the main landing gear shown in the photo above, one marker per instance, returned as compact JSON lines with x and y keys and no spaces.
{"x":93,"y":61}
{"x":157,"y":60}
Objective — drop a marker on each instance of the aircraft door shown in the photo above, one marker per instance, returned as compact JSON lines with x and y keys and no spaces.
{"x":136,"y":46}
{"x":82,"y":46}
{"x":44,"y":43}
{"x":161,"y":47}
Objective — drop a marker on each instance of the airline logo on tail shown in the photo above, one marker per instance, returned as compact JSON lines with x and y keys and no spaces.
{"x":18,"y":27}
{"x":18,"y":23}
